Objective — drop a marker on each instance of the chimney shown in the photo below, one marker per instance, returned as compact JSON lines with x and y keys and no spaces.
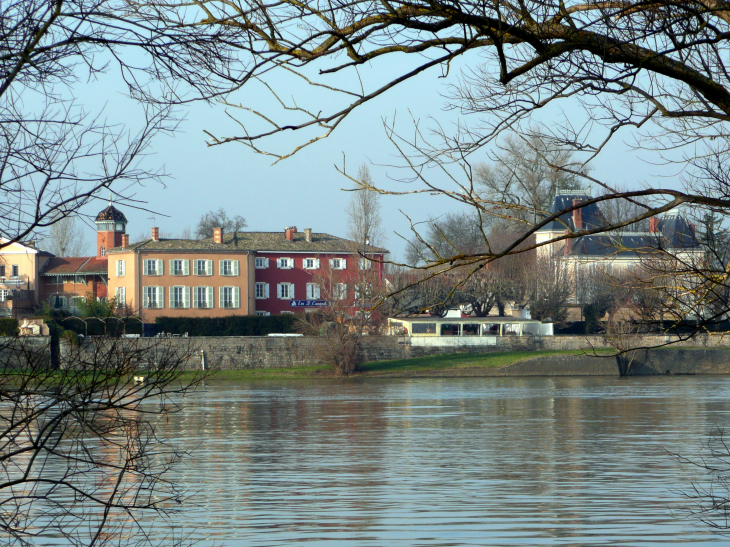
{"x":155,"y":234}
{"x":290,"y":231}
{"x":308,"y":234}
{"x":218,"y":235}
{"x":577,"y":215}
{"x":653,"y":225}
{"x":568,"y":248}
{"x":125,"y":241}
{"x":693,"y":231}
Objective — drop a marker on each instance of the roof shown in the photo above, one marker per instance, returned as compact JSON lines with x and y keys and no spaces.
{"x":487,"y":319}
{"x":590,"y":214}
{"x":111,"y":213}
{"x":253,"y":241}
{"x":82,"y":265}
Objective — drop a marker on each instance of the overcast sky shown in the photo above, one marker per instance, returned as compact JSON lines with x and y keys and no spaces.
{"x":305,"y":190}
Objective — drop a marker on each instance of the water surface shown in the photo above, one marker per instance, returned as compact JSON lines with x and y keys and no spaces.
{"x":447,"y":462}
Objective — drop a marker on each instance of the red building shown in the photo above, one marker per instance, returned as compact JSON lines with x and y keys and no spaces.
{"x":297,"y":270}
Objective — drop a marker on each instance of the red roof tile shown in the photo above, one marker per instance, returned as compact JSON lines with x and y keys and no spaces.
{"x":96,"y":264}
{"x":58,"y":265}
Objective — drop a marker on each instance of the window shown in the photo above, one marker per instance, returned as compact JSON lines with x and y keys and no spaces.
{"x":287,"y":313}
{"x":121,"y":295}
{"x":203,"y":267}
{"x":179,"y":297}
{"x":261,"y":263}
{"x":228,"y":267}
{"x":338,"y":263}
{"x":363,"y":290}
{"x":3,"y":295}
{"x":312,"y":291}
{"x":121,"y":268}
{"x":120,"y":226}
{"x":285,"y":263}
{"x":261,"y":290}
{"x":311,"y":263}
{"x":15,"y":270}
{"x":262,"y":313}
{"x":152,"y":266}
{"x":179,"y":266}
{"x":77,"y":302}
{"x":153,"y":297}
{"x":285,"y":291}
{"x":424,"y":328}
{"x":449,"y":329}
{"x":340,"y":292}
{"x":364,"y":263}
{"x":80,"y":279}
{"x":102,"y":251}
{"x":58,"y":301}
{"x":229,"y":297}
{"x":2,"y":270}
{"x":203,"y":297}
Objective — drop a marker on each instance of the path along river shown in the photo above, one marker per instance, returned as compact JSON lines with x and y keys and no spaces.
{"x":447,"y":462}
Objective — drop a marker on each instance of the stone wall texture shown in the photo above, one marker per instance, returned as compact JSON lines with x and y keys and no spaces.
{"x":15,"y":352}
{"x":706,"y":354}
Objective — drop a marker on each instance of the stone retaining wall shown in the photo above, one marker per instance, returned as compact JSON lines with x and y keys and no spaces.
{"x":256,"y":352}
{"x":18,"y":351}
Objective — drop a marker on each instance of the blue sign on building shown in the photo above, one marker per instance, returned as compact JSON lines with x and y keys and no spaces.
{"x":307,"y":303}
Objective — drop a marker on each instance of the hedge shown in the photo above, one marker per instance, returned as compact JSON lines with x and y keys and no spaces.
{"x":234,"y":325}
{"x":9,"y":326}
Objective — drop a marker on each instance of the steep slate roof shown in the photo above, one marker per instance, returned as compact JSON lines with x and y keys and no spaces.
{"x":84,"y":265}
{"x":590,"y":214}
{"x":111,"y":213}
{"x":673,"y":233}
{"x":252,"y":241}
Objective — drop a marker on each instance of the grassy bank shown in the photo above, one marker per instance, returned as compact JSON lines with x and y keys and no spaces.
{"x":442,"y":365}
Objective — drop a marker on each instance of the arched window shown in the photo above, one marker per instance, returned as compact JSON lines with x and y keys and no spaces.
{"x":102,"y":251}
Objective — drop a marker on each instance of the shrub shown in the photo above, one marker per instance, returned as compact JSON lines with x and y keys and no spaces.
{"x":9,"y":327}
{"x":234,"y":325}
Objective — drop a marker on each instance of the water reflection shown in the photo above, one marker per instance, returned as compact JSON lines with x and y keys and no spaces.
{"x":493,"y":461}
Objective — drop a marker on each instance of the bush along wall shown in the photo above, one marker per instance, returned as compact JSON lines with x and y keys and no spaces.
{"x":235,"y":325}
{"x":9,"y":326}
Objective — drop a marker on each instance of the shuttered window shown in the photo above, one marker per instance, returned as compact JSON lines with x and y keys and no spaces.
{"x":203,"y":267}
{"x":285,"y":291}
{"x":228,"y":267}
{"x":153,"y":297}
{"x":203,"y":297}
{"x":313,"y":291}
{"x":261,"y":290}
{"x":311,"y":263}
{"x":152,"y":266}
{"x":229,"y":297}
{"x":179,"y":266}
{"x":338,"y":263}
{"x":121,"y":268}
{"x":121,"y":296}
{"x":261,"y":263}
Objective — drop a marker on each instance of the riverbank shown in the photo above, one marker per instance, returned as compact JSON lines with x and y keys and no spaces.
{"x":452,"y":365}
{"x":600,"y":362}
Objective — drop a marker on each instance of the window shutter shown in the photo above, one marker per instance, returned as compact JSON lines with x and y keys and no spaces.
{"x":291,"y":291}
{"x":186,"y":297}
{"x":160,"y":267}
{"x":209,"y":267}
{"x":171,"y":304}
{"x":145,"y":269}
{"x":210,"y":302}
{"x":172,"y":268}
{"x":235,"y":267}
{"x":220,"y":267}
{"x":278,"y":262}
{"x":146,"y":297}
{"x":236,"y":297}
{"x":195,"y":297}
{"x":267,"y":290}
{"x":332,"y":263}
{"x":186,"y":267}
{"x":266,"y":263}
{"x":343,"y":262}
{"x":278,"y":290}
{"x":161,"y":295}
{"x":316,"y":263}
{"x":316,"y":292}
{"x":221,"y":300}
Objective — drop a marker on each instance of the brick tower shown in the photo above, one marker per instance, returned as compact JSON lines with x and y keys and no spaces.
{"x":111,"y":225}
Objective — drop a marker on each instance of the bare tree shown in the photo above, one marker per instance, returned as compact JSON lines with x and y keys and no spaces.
{"x":446,"y":235}
{"x":218,"y":219}
{"x":365,"y":225}
{"x":549,"y":289}
{"x":527,"y":174}
{"x":81,"y":457}
{"x":65,"y":238}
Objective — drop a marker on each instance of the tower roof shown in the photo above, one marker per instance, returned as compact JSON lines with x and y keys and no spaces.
{"x":111,"y":213}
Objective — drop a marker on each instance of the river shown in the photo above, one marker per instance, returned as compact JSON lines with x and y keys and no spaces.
{"x":447,"y":462}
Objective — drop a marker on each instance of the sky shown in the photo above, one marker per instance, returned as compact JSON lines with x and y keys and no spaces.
{"x":304,"y":190}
